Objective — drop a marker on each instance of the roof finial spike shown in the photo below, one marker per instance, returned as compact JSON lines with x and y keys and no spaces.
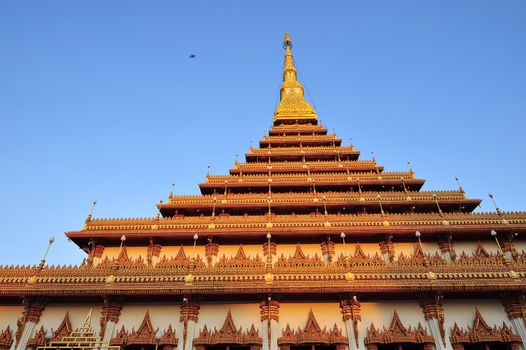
{"x":90,"y":215}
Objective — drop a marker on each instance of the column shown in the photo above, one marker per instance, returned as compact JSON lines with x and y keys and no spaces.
{"x":154,"y":251}
{"x":387,"y":249}
{"x":189,"y":313}
{"x":33,"y":309}
{"x":211,"y":252}
{"x":508,"y":248}
{"x":111,"y":311}
{"x":516,"y":313}
{"x":97,"y":254}
{"x":351,"y":316}
{"x":327,"y":250}
{"x":265,"y":316}
{"x":447,"y":248}
{"x":269,"y":310}
{"x":434,"y":315}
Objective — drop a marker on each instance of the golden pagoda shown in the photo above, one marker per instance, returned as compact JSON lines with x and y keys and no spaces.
{"x":303,"y":246}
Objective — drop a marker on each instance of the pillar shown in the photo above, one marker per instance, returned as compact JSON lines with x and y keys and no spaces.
{"x":269,"y":310}
{"x":387,"y":249}
{"x":351,"y":316}
{"x":508,"y":248}
{"x":189,"y":314}
{"x":513,"y":304}
{"x":327,"y":250}
{"x":434,"y":315}
{"x":111,"y":311}
{"x":447,"y":248}
{"x":33,"y":309}
{"x":211,"y":252}
{"x":154,"y":251}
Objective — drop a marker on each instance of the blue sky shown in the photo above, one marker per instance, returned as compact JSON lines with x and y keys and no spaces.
{"x":99,"y":99}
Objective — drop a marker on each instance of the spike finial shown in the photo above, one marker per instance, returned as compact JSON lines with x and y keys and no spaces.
{"x":287,"y":42}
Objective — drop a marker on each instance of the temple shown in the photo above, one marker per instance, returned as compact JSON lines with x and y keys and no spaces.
{"x":301,"y":246}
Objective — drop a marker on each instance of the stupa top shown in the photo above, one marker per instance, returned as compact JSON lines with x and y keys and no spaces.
{"x":293,"y":107}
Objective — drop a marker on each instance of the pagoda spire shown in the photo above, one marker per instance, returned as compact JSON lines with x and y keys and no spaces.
{"x":292,"y":106}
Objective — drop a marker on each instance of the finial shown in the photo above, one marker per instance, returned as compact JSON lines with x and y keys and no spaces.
{"x":173,"y":189}
{"x":438,"y":205}
{"x":90,"y":215}
{"x":237,"y":155}
{"x":459,"y":186}
{"x":372,"y":155}
{"x":43,"y":261}
{"x":410,"y":167}
{"x":208,"y":171}
{"x":497,"y":209}
{"x":287,"y":42}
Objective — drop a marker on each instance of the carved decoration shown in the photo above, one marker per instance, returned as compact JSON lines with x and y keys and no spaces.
{"x":39,"y":339}
{"x":154,"y":250}
{"x":397,"y":333}
{"x":432,"y":307}
{"x":312,"y":333}
{"x":181,"y":262}
{"x":269,"y":309}
{"x":298,"y":261}
{"x":228,"y":334}
{"x":328,"y":248}
{"x":351,"y":311}
{"x":481,"y":332}
{"x":189,"y":311}
{"x":33,"y":308}
{"x":120,"y":338}
{"x":240,"y":262}
{"x":168,"y":339}
{"x":6,"y":338}
{"x":63,"y":330}
{"x":145,"y":334}
{"x":111,"y":312}
{"x":513,"y":305}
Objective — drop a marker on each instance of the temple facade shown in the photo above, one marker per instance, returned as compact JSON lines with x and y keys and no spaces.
{"x":301,"y":246}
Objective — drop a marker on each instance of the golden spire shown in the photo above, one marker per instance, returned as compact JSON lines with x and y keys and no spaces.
{"x":292,"y":105}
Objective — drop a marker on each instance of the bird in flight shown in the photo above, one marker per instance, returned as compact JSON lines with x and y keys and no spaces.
{"x":192,"y":55}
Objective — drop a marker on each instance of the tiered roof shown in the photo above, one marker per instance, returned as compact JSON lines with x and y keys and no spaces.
{"x":304,"y":181}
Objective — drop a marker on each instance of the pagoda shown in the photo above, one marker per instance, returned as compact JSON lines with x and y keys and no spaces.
{"x":301,"y":246}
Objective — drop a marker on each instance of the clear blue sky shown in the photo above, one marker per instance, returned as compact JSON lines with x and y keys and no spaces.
{"x":98,"y":99}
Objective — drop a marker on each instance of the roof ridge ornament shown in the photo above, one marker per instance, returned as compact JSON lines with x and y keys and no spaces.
{"x":293,"y":106}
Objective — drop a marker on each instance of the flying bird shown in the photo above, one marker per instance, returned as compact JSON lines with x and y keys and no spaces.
{"x":192,"y":55}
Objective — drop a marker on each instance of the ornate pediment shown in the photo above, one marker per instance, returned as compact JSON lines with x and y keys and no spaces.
{"x":63,"y":330}
{"x":120,"y":338}
{"x":481,"y":332}
{"x":240,"y":262}
{"x":312,"y":333}
{"x":299,"y":260}
{"x":145,"y":334}
{"x":39,"y":339}
{"x":168,"y":337}
{"x":398,"y":333}
{"x":228,"y":334}
{"x":6,"y":338}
